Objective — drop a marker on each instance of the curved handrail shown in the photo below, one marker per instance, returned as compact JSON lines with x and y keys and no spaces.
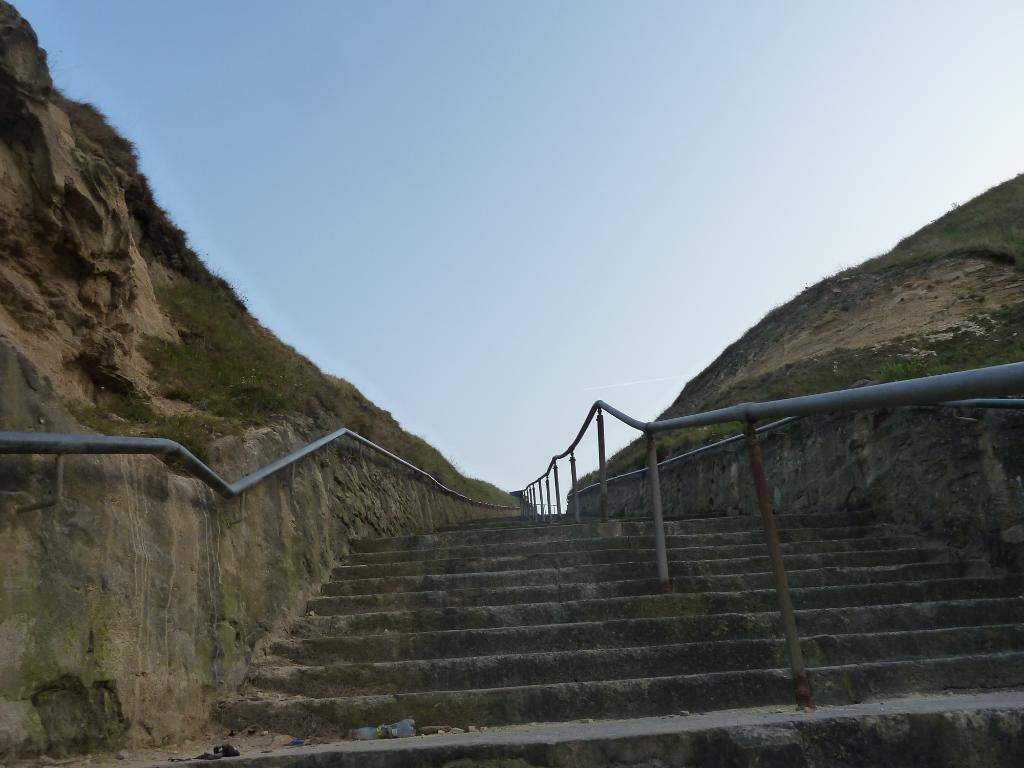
{"x":59,"y":444}
{"x":942,"y":389}
{"x":699,"y":450}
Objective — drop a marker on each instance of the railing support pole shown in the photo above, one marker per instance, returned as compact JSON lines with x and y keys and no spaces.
{"x":654,"y":487}
{"x":602,"y":468}
{"x":801,"y":684}
{"x":547,"y":483}
{"x":536,"y":501}
{"x":558,"y":492}
{"x":575,"y":496}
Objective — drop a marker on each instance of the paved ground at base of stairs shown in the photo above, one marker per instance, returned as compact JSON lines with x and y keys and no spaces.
{"x":270,"y":751}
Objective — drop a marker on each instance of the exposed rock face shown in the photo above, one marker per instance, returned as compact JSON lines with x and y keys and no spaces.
{"x":75,"y":291}
{"x":126,"y":611}
{"x":958,"y":475}
{"x":129,"y":609}
{"x":860,"y":310}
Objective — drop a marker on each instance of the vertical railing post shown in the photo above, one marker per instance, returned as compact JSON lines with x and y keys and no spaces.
{"x":543,"y":506}
{"x":602,"y":468}
{"x":533,"y":501}
{"x":654,"y":489}
{"x":547,"y":483}
{"x":558,"y":492}
{"x":764,"y":501}
{"x":575,"y":496}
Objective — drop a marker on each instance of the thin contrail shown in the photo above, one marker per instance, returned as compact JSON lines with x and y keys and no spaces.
{"x":631,"y":383}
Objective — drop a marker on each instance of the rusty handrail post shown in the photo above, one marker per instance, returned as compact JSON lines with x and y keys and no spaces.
{"x":602,"y":468}
{"x":654,"y":486}
{"x":801,"y":683}
{"x":547,"y":483}
{"x":558,"y":492}
{"x":540,"y":496}
{"x":575,"y":496}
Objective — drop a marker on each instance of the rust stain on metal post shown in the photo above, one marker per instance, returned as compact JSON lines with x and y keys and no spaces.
{"x":796,"y":659}
{"x":575,"y":497}
{"x":547,"y":483}
{"x":558,"y":493}
{"x":602,"y":468}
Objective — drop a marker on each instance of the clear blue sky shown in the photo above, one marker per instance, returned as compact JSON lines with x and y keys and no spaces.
{"x":478,"y":212}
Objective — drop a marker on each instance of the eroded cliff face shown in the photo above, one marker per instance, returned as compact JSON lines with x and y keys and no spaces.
{"x":76,"y":293}
{"x":128,"y":609}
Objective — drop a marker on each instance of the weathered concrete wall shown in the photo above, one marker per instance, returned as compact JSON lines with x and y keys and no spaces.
{"x":126,"y":611}
{"x":955,"y":474}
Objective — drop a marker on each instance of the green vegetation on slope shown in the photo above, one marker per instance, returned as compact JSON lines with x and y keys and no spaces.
{"x":229,"y":370}
{"x":999,"y":339}
{"x":235,"y":374}
{"x":991,"y":224}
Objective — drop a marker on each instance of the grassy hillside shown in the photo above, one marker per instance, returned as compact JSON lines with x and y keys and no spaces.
{"x":982,"y":237}
{"x":226,"y":372}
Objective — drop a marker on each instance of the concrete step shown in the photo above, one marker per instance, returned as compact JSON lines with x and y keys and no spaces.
{"x":555,"y":590}
{"x":515,"y":535}
{"x":546,"y":577}
{"x":487,"y":523}
{"x":708,"y":560}
{"x":632,"y":698}
{"x":317,"y":640}
{"x":645,"y":542}
{"x":662,"y":605}
{"x":467,"y":673}
{"x":949,"y":731}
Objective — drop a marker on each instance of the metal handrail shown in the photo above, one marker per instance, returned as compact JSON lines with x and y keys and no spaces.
{"x":951,"y":389}
{"x":946,"y":388}
{"x":699,"y":450}
{"x":59,"y":444}
{"x":1000,"y":403}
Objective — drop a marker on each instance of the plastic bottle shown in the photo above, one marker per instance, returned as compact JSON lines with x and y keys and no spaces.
{"x":399,"y":730}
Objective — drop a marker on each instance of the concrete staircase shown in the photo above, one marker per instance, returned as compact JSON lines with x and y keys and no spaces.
{"x":511,"y":623}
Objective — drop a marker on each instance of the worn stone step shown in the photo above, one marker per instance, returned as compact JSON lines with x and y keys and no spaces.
{"x":947,"y":731}
{"x":709,"y":559}
{"x":628,"y":550}
{"x":317,"y":640}
{"x":487,"y":523}
{"x":646,"y":541}
{"x":632,"y":698}
{"x":666,"y":605}
{"x":501,"y":671}
{"x":545,"y":577}
{"x":513,"y":536}
{"x":553,"y":589}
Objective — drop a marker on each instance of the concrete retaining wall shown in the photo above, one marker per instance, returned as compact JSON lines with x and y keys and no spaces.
{"x":954,"y":474}
{"x":128,"y":610}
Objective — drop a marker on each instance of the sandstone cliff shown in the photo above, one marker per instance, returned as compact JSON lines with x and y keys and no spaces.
{"x":130,"y":608}
{"x":948,"y":297}
{"x":102,"y":293}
